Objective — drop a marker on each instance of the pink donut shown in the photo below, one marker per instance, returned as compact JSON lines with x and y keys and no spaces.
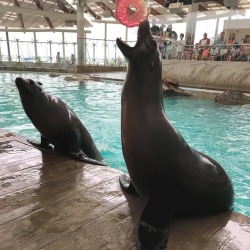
{"x":124,"y":15}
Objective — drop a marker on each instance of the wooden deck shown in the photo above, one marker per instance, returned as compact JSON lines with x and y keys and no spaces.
{"x":52,"y":202}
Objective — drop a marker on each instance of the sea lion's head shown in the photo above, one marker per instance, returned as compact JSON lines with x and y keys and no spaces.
{"x":27,"y":87}
{"x":145,"y":51}
{"x":31,"y":94}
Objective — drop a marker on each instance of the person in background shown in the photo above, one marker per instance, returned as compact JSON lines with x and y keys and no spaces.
{"x":187,"y":49}
{"x":58,"y":57}
{"x":180,"y":46}
{"x":245,"y":51}
{"x":222,"y":54}
{"x":159,"y":40}
{"x":72,"y":59}
{"x":205,"y":41}
{"x":221,"y":41}
{"x":196,"y":52}
{"x":213,"y":52}
{"x":205,"y":53}
{"x":174,"y":38}
{"x":155,"y":30}
{"x":231,"y":40}
{"x":244,"y":39}
{"x":167,"y":41}
{"x":234,"y":53}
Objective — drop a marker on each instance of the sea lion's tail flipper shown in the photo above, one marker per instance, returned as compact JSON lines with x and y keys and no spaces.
{"x":83,"y":157}
{"x":126,"y":184}
{"x":153,"y":226}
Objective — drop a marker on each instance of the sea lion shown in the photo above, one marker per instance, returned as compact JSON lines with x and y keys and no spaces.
{"x":162,"y":167}
{"x":57,"y":123}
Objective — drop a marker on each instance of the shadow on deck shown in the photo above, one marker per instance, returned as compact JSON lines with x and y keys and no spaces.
{"x":50,"y":201}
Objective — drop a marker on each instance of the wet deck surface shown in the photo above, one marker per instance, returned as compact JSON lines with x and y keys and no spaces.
{"x":52,"y":202}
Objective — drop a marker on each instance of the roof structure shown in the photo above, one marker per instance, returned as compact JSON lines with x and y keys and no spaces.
{"x":37,"y":14}
{"x":51,"y":14}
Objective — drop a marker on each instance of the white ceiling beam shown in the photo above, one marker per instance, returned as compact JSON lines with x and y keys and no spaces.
{"x":34,"y":12}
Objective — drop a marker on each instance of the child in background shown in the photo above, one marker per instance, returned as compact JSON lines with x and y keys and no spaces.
{"x":234,"y":53}
{"x":180,"y":46}
{"x":214,"y":52}
{"x":205,"y":53}
{"x":196,"y":52}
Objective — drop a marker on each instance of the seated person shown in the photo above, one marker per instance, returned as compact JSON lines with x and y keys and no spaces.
{"x":205,"y":53}
{"x":234,"y":53}
{"x":222,"y":53}
{"x":213,"y":52}
{"x":231,"y":40}
{"x":196,"y":52}
{"x":244,"y":51}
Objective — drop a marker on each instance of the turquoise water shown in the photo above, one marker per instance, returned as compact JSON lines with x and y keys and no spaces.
{"x":222,"y":132}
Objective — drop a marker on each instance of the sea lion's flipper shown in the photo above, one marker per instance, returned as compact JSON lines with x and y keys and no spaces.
{"x":126,"y":184}
{"x":44,"y":144}
{"x":153,"y":226}
{"x":81,"y":156}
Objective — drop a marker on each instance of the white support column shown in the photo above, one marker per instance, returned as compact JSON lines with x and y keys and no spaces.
{"x":8,"y":46}
{"x":80,"y":34}
{"x":63,"y":44}
{"x":216,"y":29}
{"x":191,"y":21}
{"x":105,"y":44}
{"x":35,"y":46}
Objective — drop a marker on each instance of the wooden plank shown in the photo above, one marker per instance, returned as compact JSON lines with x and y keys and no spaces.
{"x":16,"y":155}
{"x":113,"y":230}
{"x":57,"y":182}
{"x":52,"y":222}
{"x":221,"y":231}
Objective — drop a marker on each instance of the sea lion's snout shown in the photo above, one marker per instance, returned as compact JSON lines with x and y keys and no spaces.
{"x":19,"y":81}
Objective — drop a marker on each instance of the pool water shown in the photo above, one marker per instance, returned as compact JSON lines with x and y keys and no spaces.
{"x":220,"y":131}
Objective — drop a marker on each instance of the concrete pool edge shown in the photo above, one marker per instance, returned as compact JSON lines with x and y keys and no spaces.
{"x":66,"y":203}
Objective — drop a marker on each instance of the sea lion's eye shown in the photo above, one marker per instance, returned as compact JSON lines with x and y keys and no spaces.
{"x":31,"y":82}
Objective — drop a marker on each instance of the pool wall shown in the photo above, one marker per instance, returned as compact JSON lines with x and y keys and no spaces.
{"x":209,"y":74}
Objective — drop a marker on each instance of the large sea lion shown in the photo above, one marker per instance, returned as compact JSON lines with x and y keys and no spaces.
{"x":57,"y":123}
{"x":162,"y":167}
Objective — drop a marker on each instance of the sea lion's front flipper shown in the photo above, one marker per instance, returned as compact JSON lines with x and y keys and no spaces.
{"x":126,"y":184}
{"x":44,"y":144}
{"x":81,"y":156}
{"x":153,"y":226}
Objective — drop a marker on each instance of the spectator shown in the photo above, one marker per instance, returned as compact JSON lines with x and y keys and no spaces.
{"x":204,"y":41}
{"x":213,"y":52}
{"x":245,"y":51}
{"x":188,"y":49}
{"x":58,"y":57}
{"x":205,"y":53}
{"x":244,"y":39}
{"x":72,"y":59}
{"x":167,"y":41}
{"x":221,"y":40}
{"x":159,"y":40}
{"x":222,"y":54}
{"x":234,"y":53}
{"x":180,"y":46}
{"x":155,"y":30}
{"x":174,"y":37}
{"x":231,"y":40}
{"x":196,"y":52}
